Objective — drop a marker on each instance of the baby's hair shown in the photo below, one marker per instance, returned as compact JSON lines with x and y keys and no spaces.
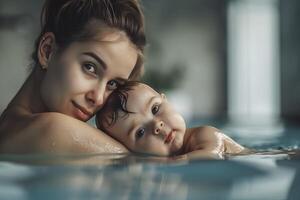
{"x":116,"y":102}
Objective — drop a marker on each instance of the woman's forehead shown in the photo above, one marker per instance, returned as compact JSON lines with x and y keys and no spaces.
{"x":113,"y":36}
{"x":118,"y":56}
{"x":103,"y":32}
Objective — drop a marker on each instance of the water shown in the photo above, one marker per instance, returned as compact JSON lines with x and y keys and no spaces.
{"x":270,"y":175}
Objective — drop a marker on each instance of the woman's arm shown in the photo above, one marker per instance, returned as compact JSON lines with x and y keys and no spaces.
{"x":59,"y":134}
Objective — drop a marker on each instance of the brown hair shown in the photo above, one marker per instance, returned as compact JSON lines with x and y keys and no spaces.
{"x":69,"y":21}
{"x":115,"y":105}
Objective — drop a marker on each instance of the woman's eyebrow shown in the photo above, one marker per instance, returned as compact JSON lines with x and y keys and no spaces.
{"x":97,"y":58}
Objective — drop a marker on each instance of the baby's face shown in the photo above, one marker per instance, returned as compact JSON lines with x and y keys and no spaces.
{"x":154,"y":127}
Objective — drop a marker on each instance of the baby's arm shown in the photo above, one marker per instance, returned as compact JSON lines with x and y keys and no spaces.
{"x":209,"y":142}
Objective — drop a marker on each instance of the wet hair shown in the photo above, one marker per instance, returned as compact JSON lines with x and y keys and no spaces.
{"x":80,"y":20}
{"x":115,"y":106}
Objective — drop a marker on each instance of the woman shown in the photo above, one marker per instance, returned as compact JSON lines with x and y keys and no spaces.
{"x":86,"y":48}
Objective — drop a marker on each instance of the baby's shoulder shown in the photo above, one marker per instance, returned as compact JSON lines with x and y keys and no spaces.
{"x":203,"y":131}
{"x":204,"y":138}
{"x":202,"y":135}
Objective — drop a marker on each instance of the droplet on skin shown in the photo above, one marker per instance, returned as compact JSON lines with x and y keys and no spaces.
{"x":113,"y":149}
{"x":75,"y":138}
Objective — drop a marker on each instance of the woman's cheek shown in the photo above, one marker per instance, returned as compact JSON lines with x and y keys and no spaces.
{"x":77,"y":81}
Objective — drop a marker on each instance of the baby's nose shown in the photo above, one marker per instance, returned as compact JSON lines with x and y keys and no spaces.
{"x":158,"y":127}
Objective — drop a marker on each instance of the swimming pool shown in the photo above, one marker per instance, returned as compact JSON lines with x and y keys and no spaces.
{"x":259,"y":176}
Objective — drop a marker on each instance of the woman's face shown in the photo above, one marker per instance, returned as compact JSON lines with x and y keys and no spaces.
{"x":78,"y":80}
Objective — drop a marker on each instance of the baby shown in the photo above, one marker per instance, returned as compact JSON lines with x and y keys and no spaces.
{"x":145,"y":122}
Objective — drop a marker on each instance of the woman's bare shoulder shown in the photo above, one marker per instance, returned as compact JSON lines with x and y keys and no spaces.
{"x":54,"y":120}
{"x":43,"y":122}
{"x":58,"y":133}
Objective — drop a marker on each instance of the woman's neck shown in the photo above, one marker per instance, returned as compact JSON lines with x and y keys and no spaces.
{"x":28,"y":98}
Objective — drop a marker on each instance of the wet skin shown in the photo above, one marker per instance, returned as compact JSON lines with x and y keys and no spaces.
{"x":46,"y":114}
{"x":155,"y":128}
{"x":78,"y":81}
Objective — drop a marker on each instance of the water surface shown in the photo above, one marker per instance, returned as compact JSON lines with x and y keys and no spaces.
{"x":273,"y":173}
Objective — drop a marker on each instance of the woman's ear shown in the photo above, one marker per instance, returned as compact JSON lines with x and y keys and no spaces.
{"x":46,"y":49}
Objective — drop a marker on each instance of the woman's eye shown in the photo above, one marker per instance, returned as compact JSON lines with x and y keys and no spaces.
{"x":155,"y":109}
{"x":140,"y":133}
{"x":112,"y":85}
{"x":90,"y":68}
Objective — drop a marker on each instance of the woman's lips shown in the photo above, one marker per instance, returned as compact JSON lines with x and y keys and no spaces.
{"x":169,"y":137}
{"x":80,"y":112}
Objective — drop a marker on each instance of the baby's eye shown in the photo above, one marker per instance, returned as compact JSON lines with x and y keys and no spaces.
{"x":90,"y":67}
{"x":112,"y":85}
{"x":140,"y":133}
{"x":155,"y":109}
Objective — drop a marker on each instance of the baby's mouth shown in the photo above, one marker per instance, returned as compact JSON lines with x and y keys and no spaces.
{"x":169,"y":137}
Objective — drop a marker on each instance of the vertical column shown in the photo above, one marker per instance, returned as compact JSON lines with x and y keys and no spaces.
{"x":253,"y":67}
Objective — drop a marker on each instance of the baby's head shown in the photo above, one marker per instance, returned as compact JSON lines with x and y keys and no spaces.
{"x":142,"y":120}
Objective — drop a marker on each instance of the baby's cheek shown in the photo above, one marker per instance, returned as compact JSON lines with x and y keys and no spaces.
{"x":179,"y":121}
{"x":155,"y":147}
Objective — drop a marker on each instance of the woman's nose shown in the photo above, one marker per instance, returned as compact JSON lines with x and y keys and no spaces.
{"x":96,"y":97}
{"x":158,"y":126}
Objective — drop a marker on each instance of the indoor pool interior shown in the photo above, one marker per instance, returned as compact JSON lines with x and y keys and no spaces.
{"x":272,"y":173}
{"x":232,"y":59}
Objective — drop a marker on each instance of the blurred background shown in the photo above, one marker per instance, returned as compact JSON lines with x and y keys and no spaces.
{"x":235,"y":61}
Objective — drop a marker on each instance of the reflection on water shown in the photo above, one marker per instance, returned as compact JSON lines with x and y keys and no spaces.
{"x":241,"y":177}
{"x":272,"y":173}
